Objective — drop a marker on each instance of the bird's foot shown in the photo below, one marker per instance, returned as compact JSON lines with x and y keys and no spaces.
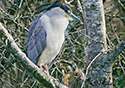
{"x":44,"y":68}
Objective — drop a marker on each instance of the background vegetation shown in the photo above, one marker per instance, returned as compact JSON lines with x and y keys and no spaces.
{"x":18,"y":15}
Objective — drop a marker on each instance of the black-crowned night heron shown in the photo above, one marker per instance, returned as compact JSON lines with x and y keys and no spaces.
{"x":46,"y":35}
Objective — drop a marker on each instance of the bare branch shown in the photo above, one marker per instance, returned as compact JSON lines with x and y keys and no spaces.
{"x":11,"y":18}
{"x":34,"y":70}
{"x":110,"y":58}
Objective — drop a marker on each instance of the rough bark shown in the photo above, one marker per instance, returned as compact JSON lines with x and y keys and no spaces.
{"x":95,"y":40}
{"x":100,"y":72}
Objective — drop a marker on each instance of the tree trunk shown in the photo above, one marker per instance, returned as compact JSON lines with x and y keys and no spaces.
{"x":95,"y":39}
{"x":95,"y":43}
{"x":98,"y":60}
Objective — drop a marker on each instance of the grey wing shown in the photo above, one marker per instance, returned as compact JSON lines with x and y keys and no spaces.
{"x":36,"y":40}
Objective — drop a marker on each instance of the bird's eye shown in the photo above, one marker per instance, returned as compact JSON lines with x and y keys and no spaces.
{"x":68,"y":11}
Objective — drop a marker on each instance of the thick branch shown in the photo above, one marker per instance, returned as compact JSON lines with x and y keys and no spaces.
{"x":110,"y":58}
{"x":44,"y":79}
{"x":31,"y":67}
{"x":117,"y":50}
{"x":101,"y":69}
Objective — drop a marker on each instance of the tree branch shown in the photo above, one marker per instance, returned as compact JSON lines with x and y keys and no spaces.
{"x":44,"y":79}
{"x":110,"y":58}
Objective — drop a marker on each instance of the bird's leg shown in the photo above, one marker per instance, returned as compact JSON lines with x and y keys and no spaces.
{"x":44,"y":68}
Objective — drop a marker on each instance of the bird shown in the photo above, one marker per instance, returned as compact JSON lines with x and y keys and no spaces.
{"x":47,"y":34}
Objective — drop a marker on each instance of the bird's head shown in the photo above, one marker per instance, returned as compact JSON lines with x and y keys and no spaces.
{"x":65,"y":10}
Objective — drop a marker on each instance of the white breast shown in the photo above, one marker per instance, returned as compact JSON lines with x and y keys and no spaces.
{"x":55,"y":39}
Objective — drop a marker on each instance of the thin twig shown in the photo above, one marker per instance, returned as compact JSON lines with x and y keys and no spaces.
{"x":7,"y":82}
{"x":33,"y":84}
{"x":87,"y":69}
{"x":121,"y":64}
{"x":11,"y":18}
{"x":68,"y":2}
{"x":24,"y":82}
{"x":121,"y":4}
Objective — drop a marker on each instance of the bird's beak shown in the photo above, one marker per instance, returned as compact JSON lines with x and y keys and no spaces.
{"x":75,"y":17}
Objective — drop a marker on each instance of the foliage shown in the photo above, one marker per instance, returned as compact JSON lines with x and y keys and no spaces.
{"x":18,"y":15}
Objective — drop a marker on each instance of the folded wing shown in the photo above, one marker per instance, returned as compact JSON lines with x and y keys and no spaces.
{"x":36,"y":40}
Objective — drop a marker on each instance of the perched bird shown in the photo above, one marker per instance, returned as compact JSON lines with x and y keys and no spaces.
{"x":46,"y":34}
